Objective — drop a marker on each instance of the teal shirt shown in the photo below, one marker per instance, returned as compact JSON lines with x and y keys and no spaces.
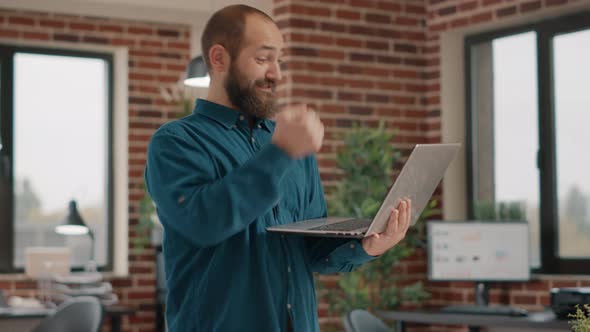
{"x":217,"y":185}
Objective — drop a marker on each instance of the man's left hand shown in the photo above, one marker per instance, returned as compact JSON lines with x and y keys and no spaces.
{"x":396,"y":229}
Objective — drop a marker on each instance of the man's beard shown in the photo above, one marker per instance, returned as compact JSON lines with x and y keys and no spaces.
{"x":245,"y":95}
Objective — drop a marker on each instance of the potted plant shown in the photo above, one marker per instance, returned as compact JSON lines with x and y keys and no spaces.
{"x":581,"y":319}
{"x":367,"y":160}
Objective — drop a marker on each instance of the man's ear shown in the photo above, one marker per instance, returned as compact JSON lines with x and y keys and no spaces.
{"x":219,"y":58}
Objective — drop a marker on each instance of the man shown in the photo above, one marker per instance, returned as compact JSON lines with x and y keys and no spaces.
{"x":220,"y":176}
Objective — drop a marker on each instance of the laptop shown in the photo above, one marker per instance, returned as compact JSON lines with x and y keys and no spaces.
{"x":417,"y":181}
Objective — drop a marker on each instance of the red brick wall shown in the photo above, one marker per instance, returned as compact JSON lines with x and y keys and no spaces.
{"x":158,"y":54}
{"x":367,"y":60}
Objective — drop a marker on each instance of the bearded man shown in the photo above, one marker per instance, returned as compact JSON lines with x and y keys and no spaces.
{"x":223,"y":174}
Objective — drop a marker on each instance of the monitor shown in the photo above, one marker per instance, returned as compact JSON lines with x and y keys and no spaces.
{"x":477,"y":251}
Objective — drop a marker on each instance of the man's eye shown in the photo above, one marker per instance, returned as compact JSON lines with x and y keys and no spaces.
{"x":261,"y":59}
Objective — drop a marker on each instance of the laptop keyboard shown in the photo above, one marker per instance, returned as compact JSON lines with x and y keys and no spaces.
{"x":344,"y":226}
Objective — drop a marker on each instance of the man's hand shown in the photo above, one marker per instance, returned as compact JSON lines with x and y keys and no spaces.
{"x":396,"y":229}
{"x":298,"y":131}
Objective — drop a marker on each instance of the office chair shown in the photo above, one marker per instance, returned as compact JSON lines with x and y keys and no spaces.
{"x":79,"y":314}
{"x":363,"y":321}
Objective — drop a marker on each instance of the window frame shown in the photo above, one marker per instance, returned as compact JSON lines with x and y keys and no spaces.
{"x":7,"y":52}
{"x":551,"y":263}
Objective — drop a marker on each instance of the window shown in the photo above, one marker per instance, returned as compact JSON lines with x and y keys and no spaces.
{"x":55,"y":126}
{"x":527,"y":107}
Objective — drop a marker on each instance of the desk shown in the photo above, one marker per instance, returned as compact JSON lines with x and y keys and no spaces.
{"x":539,"y":320}
{"x":27,"y":319}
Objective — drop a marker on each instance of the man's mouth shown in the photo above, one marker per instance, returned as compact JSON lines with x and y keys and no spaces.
{"x":267,"y":87}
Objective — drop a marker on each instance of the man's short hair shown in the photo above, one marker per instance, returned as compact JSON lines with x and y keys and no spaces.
{"x":226,"y":27}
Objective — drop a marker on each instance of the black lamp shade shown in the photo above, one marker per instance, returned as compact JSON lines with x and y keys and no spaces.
{"x":73,"y":224}
{"x":197,"y":74}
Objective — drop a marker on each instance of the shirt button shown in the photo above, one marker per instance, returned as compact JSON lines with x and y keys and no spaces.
{"x":327,"y":259}
{"x":253,"y":139}
{"x":289,"y":269}
{"x":241,"y":117}
{"x":352,"y":246}
{"x":259,"y":126}
{"x":289,"y":306}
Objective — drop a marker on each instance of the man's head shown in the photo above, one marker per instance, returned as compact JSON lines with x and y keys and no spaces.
{"x":242,"y":48}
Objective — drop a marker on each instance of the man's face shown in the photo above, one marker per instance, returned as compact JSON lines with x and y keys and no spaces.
{"x":254,"y":73}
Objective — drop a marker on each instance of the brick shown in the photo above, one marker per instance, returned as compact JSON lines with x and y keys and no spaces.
{"x":333,"y":27}
{"x":408,"y":21}
{"x":49,"y":23}
{"x":389,"y":59}
{"x":383,"y":46}
{"x":486,"y":3}
{"x":506,"y":11}
{"x":168,"y":33}
{"x":362,"y":57}
{"x":456,"y":23}
{"x":407,"y":48}
{"x":5,"y":285}
{"x":447,"y":11}
{"x":403,"y":100}
{"x":8,"y":33}
{"x":348,"y":15}
{"x":349,"y":96}
{"x":347,"y":69}
{"x":362,"y":30}
{"x":465,"y":6}
{"x":122,"y":42}
{"x":110,"y":28}
{"x":328,"y":54}
{"x":524,"y":299}
{"x":377,"y":18}
{"x":415,"y":9}
{"x":314,"y":94}
{"x":363,"y":3}
{"x":66,"y":37}
{"x":389,"y":6}
{"x":303,"y":51}
{"x":347,"y":42}
{"x":21,"y":20}
{"x":328,"y":108}
{"x":82,"y":26}
{"x":151,"y":43}
{"x":480,"y":18}
{"x":360,"y":110}
{"x":530,"y":6}
{"x":36,"y":35}
{"x":140,"y":30}
{"x":537,"y":286}
{"x":95,"y":40}
{"x":438,"y":27}
{"x":564,"y":283}
{"x":137,"y":295}
{"x":377,"y":98}
{"x":549,"y":3}
{"x":321,"y":39}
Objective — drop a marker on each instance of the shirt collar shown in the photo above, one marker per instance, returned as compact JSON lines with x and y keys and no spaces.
{"x":226,"y":116}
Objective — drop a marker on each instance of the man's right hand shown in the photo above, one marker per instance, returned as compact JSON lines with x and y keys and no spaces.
{"x":298,"y":131}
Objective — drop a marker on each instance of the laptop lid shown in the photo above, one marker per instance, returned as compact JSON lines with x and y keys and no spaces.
{"x":417,"y":181}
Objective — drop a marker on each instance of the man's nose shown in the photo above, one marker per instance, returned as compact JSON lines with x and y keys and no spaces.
{"x":274,"y":72}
